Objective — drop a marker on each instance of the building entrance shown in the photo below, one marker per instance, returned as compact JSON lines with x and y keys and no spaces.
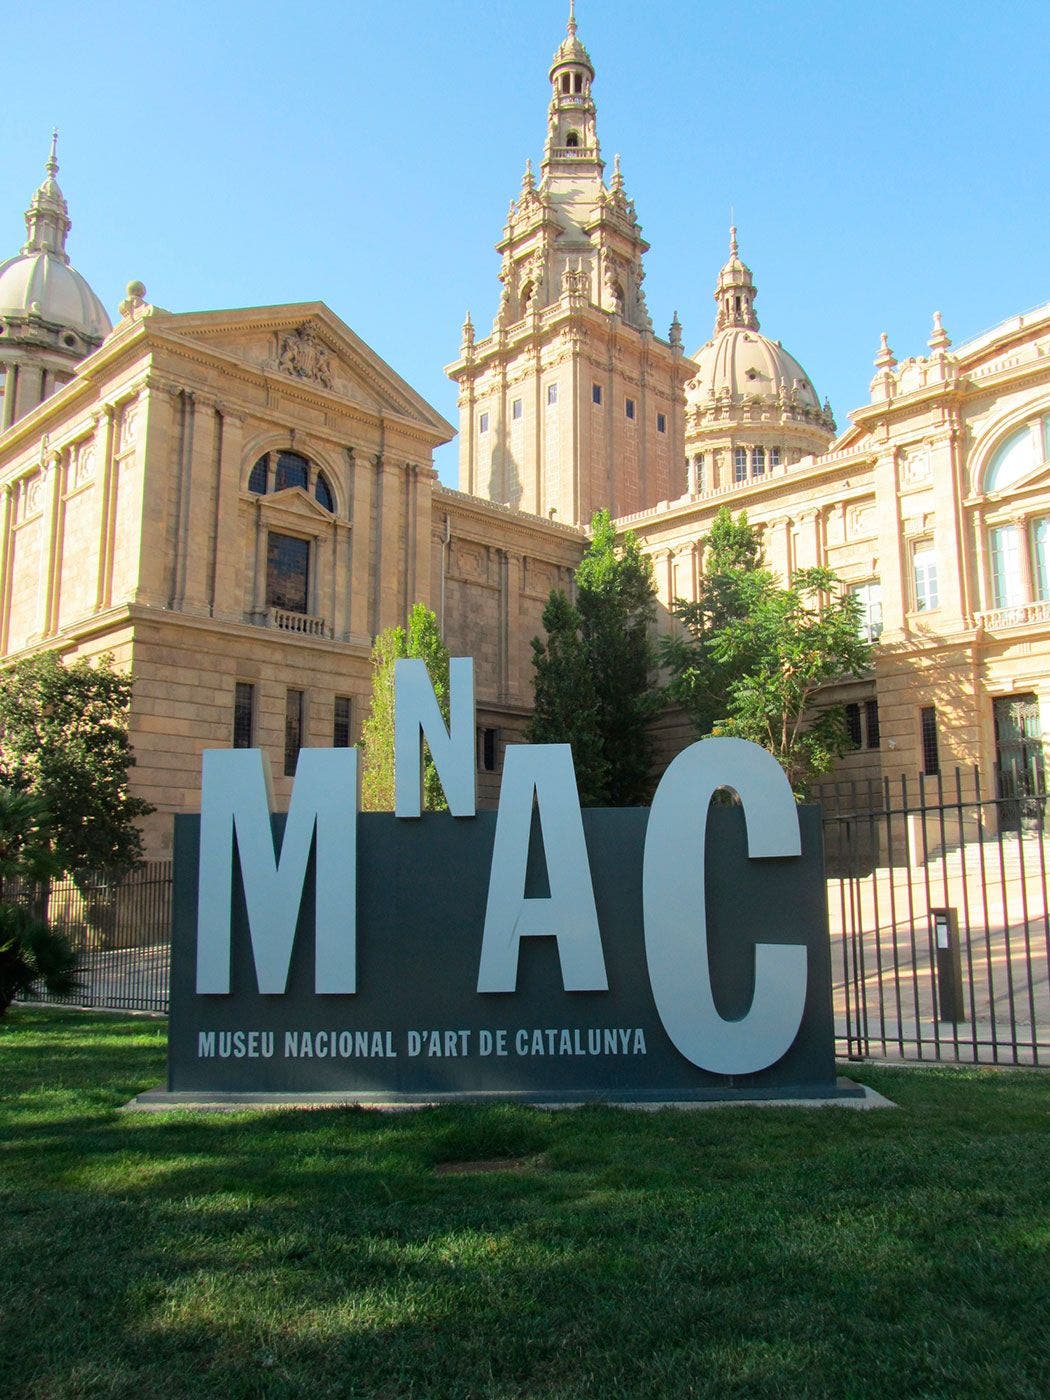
{"x":1019,"y":762}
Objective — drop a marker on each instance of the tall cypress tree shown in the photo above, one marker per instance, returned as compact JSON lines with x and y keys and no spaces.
{"x":594,"y":685}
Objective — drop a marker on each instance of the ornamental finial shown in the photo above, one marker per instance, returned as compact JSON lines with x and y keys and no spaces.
{"x":734,"y":250}
{"x":571,"y":26}
{"x":51,"y":165}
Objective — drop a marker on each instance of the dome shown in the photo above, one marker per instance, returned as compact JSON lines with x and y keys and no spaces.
{"x":745,"y":364}
{"x":41,"y":283}
{"x":571,"y":49}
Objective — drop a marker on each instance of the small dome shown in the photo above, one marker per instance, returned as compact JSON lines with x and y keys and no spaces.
{"x":571,"y":49}
{"x":746,"y":364}
{"x":41,"y":283}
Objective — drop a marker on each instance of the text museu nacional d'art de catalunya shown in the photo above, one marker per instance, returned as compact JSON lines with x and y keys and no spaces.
{"x":540,"y":951}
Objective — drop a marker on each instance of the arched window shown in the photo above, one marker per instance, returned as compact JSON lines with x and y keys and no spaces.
{"x":526,"y":297}
{"x":578,"y":82}
{"x":292,"y":470}
{"x":257,"y":482}
{"x":323,"y":492}
{"x":1012,"y":459}
{"x":572,"y":140}
{"x":565,"y":82}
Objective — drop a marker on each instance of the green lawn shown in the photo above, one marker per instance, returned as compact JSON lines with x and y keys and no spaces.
{"x":752,"y":1252}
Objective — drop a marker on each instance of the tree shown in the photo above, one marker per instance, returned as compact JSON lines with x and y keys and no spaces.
{"x":64,"y":738}
{"x":701,"y":679}
{"x":422,"y":640}
{"x":30,"y":950}
{"x":566,"y":699}
{"x":755,"y":655}
{"x":792,"y":641}
{"x":600,"y":650}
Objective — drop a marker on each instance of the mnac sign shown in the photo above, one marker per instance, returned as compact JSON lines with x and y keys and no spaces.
{"x":540,"y":951}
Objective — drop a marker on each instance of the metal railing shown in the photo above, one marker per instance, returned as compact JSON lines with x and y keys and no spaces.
{"x":121,"y":934}
{"x":937,"y":905}
{"x":937,"y":909}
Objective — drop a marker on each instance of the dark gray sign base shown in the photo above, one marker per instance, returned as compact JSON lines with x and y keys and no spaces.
{"x":845,"y":1093}
{"x":417,"y":1030}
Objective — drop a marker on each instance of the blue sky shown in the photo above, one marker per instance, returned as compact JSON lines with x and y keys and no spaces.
{"x":883,"y":159}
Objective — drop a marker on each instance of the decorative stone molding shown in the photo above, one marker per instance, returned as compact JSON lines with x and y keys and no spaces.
{"x":303,"y":355}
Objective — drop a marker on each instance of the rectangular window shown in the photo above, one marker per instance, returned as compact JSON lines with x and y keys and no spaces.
{"x":341,"y":712}
{"x":853,"y":734}
{"x":871,"y":722}
{"x":287,"y":572}
{"x":774,"y":456}
{"x":552,"y":393}
{"x":1007,"y":588}
{"x":869,"y":596}
{"x":661,"y":423}
{"x":924,"y":572}
{"x":293,"y":730}
{"x":629,"y":408}
{"x":740,"y":464}
{"x":488,"y":749}
{"x":243,"y":715}
{"x":515,"y":409}
{"x":758,"y":461}
{"x":931,"y":762}
{"x":596,"y":393}
{"x":483,"y":423}
{"x":1040,"y":538}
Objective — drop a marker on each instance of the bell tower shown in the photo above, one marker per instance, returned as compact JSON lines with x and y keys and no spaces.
{"x":571,"y":403}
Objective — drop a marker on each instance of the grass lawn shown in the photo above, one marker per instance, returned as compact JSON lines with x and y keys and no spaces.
{"x":752,"y":1252}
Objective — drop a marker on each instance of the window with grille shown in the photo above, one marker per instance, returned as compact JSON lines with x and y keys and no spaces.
{"x":243,"y":715}
{"x":661,"y":423}
{"x":758,"y":461}
{"x":871,"y":722}
{"x":488,"y":749}
{"x":293,"y":731}
{"x":853,"y":730}
{"x":552,"y":394}
{"x":740,"y":464}
{"x":341,"y":715}
{"x":931,"y":761}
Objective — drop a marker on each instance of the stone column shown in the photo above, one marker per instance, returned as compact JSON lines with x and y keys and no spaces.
{"x":6,"y":526}
{"x":360,"y":562}
{"x":227,"y":591}
{"x":106,"y":503}
{"x":49,"y":529}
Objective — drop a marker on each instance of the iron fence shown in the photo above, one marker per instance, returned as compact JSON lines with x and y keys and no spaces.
{"x":937,"y":907}
{"x":120,"y":932}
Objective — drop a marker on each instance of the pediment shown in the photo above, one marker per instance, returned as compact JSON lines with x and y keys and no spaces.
{"x":310,"y":348}
{"x":293,"y":504}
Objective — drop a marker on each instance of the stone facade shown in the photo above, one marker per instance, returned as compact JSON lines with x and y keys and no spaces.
{"x":145,"y":514}
{"x":234,"y":503}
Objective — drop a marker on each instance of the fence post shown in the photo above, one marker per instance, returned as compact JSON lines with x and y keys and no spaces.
{"x":950,"y":1003}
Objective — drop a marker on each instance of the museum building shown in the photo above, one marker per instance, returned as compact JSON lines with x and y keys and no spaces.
{"x":234,"y":503}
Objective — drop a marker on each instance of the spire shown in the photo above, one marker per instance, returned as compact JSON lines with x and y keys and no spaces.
{"x":617,"y":180}
{"x":47,"y":218}
{"x":528,"y":180}
{"x":570,"y":28}
{"x":939,"y":339}
{"x":735,"y":291}
{"x":885,"y":359}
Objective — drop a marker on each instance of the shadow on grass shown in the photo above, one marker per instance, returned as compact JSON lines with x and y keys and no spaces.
{"x":752,"y":1252}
